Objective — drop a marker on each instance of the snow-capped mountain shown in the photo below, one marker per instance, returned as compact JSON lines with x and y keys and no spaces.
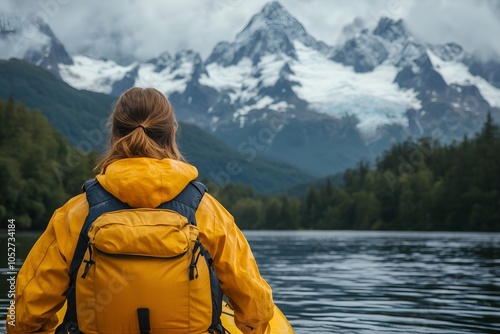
{"x":277,"y":90}
{"x":33,"y":40}
{"x":271,"y":32}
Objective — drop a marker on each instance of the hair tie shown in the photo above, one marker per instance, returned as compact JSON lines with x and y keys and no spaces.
{"x":140,"y":126}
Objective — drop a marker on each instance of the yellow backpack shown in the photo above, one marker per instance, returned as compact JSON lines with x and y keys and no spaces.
{"x":136,"y":270}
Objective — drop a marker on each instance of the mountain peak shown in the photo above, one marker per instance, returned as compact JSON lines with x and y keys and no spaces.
{"x":273,"y":21}
{"x":271,"y":31}
{"x":273,"y":8}
{"x":31,"y":39}
{"x":390,"y":29}
{"x":352,"y":29}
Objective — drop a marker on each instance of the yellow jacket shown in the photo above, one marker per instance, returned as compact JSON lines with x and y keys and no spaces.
{"x":140,"y":182}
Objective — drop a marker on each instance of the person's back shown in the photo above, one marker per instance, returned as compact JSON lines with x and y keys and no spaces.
{"x":143,"y":169}
{"x":142,"y":267}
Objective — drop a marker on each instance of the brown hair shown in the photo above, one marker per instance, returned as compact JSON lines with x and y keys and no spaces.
{"x":142,"y":124}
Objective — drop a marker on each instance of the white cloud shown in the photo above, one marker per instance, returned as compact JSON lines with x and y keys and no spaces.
{"x":474,"y":24}
{"x":122,"y":29}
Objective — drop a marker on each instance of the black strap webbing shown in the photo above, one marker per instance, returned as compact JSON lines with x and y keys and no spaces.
{"x":143,"y":316}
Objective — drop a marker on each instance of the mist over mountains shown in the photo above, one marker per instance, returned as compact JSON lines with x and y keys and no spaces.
{"x":277,"y":90}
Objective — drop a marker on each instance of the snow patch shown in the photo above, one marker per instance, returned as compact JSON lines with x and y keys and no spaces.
{"x":96,"y":75}
{"x":242,"y":82}
{"x":99,"y":75}
{"x":260,"y":104}
{"x":229,"y":78}
{"x":457,"y":73}
{"x":166,"y":81}
{"x":335,"y":89}
{"x":270,"y":66}
{"x":281,"y":106}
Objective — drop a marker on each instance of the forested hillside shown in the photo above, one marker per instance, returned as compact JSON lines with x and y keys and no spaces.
{"x":221,"y":164}
{"x":419,"y":185}
{"x":73,"y":112}
{"x":39,"y":169}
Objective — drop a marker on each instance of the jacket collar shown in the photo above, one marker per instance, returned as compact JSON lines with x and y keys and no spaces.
{"x":146,"y":182}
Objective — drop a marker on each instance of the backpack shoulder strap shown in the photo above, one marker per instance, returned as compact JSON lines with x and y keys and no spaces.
{"x":100,"y":201}
{"x":187,"y":202}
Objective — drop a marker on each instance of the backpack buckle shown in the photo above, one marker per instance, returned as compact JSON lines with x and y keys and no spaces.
{"x":88,"y":263}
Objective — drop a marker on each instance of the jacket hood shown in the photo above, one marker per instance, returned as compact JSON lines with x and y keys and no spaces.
{"x":146,"y":182}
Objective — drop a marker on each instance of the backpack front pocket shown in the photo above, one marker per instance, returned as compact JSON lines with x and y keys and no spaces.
{"x":138,"y":258}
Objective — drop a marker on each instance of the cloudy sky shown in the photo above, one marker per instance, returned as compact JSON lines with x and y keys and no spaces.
{"x":144,"y":29}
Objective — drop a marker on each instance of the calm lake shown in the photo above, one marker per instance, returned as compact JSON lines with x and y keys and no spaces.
{"x":368,"y":282}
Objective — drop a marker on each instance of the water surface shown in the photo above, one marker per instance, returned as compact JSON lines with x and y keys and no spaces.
{"x":383,"y":282}
{"x":368,"y":282}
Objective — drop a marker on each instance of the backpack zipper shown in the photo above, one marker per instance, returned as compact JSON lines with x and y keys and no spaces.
{"x":141,"y":255}
{"x":90,"y":262}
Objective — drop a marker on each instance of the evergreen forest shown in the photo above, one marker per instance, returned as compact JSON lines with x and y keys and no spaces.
{"x":415,"y":185}
{"x":39,"y":170}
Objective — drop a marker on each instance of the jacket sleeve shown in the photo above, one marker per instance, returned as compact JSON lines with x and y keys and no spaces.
{"x":241,"y":282}
{"x":43,"y":279}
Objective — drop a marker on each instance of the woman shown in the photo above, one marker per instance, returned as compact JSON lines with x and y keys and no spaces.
{"x":142,"y":168}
